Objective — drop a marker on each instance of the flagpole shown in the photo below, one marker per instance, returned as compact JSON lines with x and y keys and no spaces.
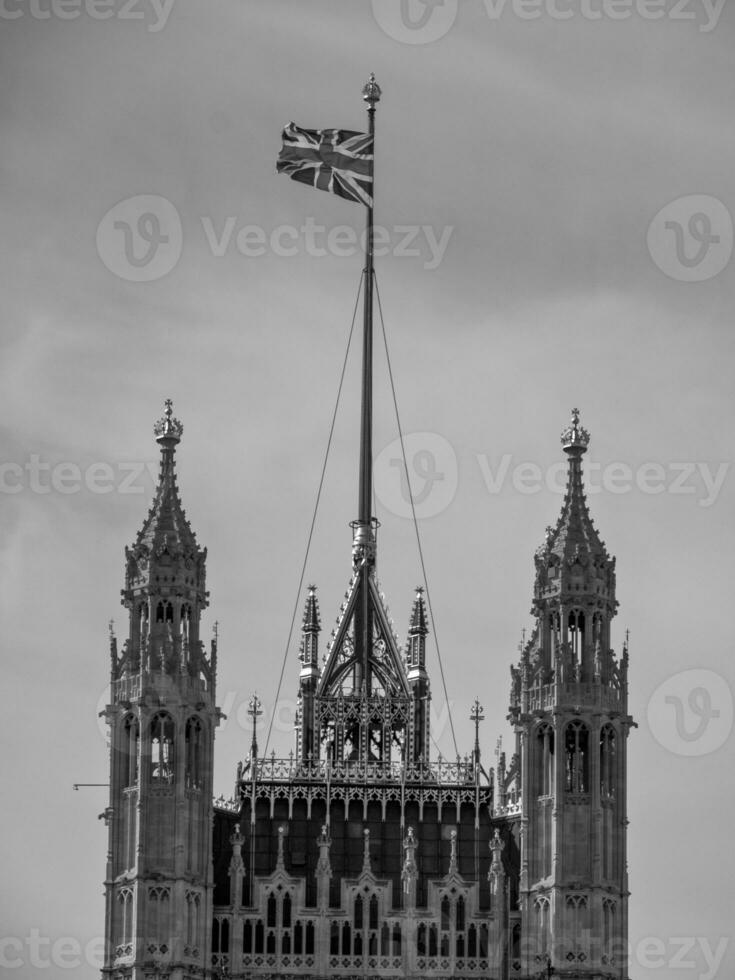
{"x":371,"y":94}
{"x":364,"y":545}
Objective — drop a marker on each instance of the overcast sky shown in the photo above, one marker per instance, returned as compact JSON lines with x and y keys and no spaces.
{"x":555,"y":184}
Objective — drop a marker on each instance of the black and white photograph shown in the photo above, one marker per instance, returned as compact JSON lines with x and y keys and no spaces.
{"x":367,"y":488}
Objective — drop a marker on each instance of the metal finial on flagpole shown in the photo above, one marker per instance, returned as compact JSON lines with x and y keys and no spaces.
{"x":371,"y":91}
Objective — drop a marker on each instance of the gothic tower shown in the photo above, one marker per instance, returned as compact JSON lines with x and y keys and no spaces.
{"x":162,"y":717}
{"x":569,"y":706}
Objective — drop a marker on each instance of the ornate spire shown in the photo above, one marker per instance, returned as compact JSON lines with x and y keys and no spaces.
{"x":367,"y":868}
{"x":311,"y":622}
{"x":166,"y":526}
{"x":572,"y":558}
{"x":417,"y":626}
{"x":165,"y":577}
{"x":452,"y":854}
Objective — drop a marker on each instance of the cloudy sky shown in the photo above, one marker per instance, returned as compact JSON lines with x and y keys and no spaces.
{"x":555,"y":190}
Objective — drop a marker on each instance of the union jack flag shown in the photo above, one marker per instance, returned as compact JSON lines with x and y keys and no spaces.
{"x":336,"y":160}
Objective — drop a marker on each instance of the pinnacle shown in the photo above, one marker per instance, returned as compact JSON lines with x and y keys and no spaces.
{"x":166,"y":524}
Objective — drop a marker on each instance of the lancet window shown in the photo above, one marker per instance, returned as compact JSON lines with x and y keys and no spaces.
{"x":193,"y":751}
{"x":131,"y":742}
{"x":162,"y":748}
{"x":542,"y":908}
{"x":576,"y":744}
{"x":159,"y":897}
{"x":609,"y":926}
{"x":575,"y":625}
{"x":125,"y":922}
{"x":193,"y":920}
{"x":544,"y":760}
{"x":608,"y":773}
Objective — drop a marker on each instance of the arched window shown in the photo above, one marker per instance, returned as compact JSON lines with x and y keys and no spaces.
{"x":576,"y":633}
{"x":125,"y":900}
{"x":131,"y":741}
{"x":358,"y":912}
{"x":374,"y":912}
{"x":515,"y":940}
{"x":159,"y":904}
{"x":193,"y":908}
{"x":271,"y":910}
{"x":544,"y":763}
{"x":460,"y":913}
{"x":445,"y":913}
{"x":286,"y":911}
{"x":162,"y":748}
{"x":608,"y":773}
{"x":609,"y":938}
{"x":577,"y":908}
{"x":193,"y":741}
{"x":541,"y":905}
{"x":576,"y":758}
{"x":185,"y":620}
{"x":247,"y":937}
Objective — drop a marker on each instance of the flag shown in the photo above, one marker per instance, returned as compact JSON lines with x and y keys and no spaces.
{"x":336,"y":160}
